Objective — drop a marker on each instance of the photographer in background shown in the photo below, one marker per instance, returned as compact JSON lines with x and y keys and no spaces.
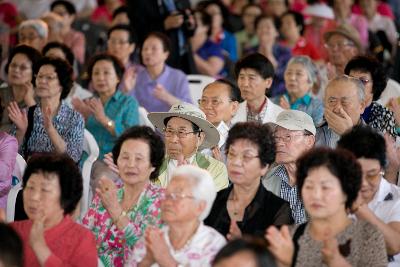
{"x":174,"y":18}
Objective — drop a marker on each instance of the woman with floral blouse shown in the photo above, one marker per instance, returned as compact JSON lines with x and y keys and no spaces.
{"x":119,"y":214}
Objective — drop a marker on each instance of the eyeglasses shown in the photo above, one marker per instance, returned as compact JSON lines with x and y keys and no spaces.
{"x":245,"y":158}
{"x":22,"y":68}
{"x":214,"y":102}
{"x":339,"y":45}
{"x":177,"y":196}
{"x":47,"y":78}
{"x":286,"y":138}
{"x":180,"y":134}
{"x":372,"y":176}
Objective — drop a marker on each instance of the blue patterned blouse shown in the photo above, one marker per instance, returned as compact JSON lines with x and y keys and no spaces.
{"x":69,"y":125}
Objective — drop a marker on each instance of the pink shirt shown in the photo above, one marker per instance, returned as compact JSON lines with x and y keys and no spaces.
{"x":70,"y":243}
{"x":8,"y":154}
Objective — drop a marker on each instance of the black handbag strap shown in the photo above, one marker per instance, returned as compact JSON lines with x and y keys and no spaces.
{"x":28,"y":133}
{"x":296,"y":236}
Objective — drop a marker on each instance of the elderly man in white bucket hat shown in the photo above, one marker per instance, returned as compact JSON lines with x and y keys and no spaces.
{"x":294,"y":134}
{"x":187,"y":132}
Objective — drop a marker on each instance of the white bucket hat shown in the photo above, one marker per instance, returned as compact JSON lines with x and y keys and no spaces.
{"x":319,"y":10}
{"x":295,"y":120}
{"x":191,"y":113}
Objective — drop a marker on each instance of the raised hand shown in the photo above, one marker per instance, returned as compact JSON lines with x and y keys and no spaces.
{"x":280,"y":244}
{"x":157,"y":246}
{"x":339,"y":122}
{"x":107,"y":192}
{"x":173,"y":21}
{"x":234,"y":231}
{"x":97,"y":109}
{"x":17,"y":116}
{"x":162,"y":94}
{"x":81,"y":106}
{"x":216,"y":152}
{"x":29,"y":95}
{"x":47,"y":118}
{"x":330,"y":253}
{"x":129,"y":79}
{"x":109,"y":161}
{"x":284,"y":103}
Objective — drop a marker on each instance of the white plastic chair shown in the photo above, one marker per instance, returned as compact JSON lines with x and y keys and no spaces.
{"x":196,"y":85}
{"x":143,"y":120}
{"x":11,"y":199}
{"x":18,"y":172}
{"x":19,"y":168}
{"x":91,"y":148}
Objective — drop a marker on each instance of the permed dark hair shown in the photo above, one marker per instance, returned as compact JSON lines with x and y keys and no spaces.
{"x":365,"y":142}
{"x":373,"y":67}
{"x":31,"y":53}
{"x":340,"y":163}
{"x":64,"y":73}
{"x":156,"y":145}
{"x":298,"y":19}
{"x":254,"y":245}
{"x":122,"y":27}
{"x":67,"y":4}
{"x":122,"y":9}
{"x":10,"y":246}
{"x":118,"y":66}
{"x":257,"y":62}
{"x":67,"y":172}
{"x":64,"y":48}
{"x":165,"y":41}
{"x":260,"y":135}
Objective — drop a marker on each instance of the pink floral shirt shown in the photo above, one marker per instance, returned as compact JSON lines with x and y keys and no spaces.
{"x":198,"y":252}
{"x":112,"y":243}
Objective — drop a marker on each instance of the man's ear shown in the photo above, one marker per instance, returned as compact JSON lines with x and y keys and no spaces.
{"x":268,"y":82}
{"x":234,"y":107}
{"x":200,"y":138}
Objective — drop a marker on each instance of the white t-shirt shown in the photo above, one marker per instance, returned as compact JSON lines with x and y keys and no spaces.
{"x":386,"y":206}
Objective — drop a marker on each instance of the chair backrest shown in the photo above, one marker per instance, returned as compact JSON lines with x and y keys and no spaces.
{"x":19,"y":168}
{"x":196,"y":85}
{"x":91,"y":148}
{"x":11,"y":200}
{"x":143,"y":120}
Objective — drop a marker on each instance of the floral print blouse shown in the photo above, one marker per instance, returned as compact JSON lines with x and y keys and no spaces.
{"x":112,"y":243}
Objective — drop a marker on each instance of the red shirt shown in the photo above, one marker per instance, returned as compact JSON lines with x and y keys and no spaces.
{"x":304,"y":48}
{"x":70,"y":243}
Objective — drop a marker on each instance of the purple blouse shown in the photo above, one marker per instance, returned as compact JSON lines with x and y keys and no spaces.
{"x":8,"y":154}
{"x":173,"y":80}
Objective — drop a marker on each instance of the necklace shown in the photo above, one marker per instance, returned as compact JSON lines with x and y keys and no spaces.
{"x":133,"y":202}
{"x":235,"y":211}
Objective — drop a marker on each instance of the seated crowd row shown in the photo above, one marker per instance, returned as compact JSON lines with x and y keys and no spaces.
{"x":222,"y":172}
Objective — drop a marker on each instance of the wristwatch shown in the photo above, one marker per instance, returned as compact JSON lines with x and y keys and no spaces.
{"x":110,"y":124}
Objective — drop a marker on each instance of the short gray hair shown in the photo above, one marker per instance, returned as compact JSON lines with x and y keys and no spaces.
{"x":345,"y":78}
{"x":203,"y":187}
{"x":38,"y":25}
{"x":308,"y":65}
